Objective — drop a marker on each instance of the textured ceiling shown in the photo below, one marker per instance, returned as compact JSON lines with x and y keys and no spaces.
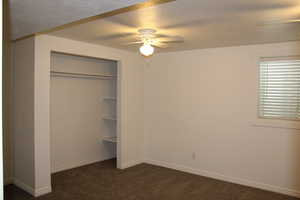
{"x":31,"y":16}
{"x":203,"y":24}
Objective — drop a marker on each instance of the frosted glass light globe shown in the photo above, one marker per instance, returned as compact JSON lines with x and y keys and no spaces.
{"x":147,"y":50}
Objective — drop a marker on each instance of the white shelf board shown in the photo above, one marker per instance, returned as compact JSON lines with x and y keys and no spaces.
{"x":111,"y":118}
{"x":110,"y":139}
{"x":81,"y":75}
{"x":110,"y":99}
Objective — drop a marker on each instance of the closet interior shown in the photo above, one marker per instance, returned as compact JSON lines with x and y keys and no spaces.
{"x":83,"y":110}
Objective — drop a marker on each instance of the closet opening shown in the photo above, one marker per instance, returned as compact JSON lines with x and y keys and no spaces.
{"x":83,"y":111}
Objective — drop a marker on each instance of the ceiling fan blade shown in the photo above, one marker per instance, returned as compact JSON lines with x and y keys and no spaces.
{"x":160,"y":45}
{"x":288,"y":21}
{"x":292,"y":21}
{"x":163,"y":37}
{"x":173,"y":41}
{"x":130,"y":43}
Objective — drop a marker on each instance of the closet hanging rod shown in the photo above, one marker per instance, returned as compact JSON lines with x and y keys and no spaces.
{"x":80,"y":75}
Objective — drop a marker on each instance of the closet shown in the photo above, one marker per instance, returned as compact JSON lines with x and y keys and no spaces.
{"x":83,"y":120}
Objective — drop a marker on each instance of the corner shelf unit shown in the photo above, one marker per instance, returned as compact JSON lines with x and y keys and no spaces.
{"x":110,"y":139}
{"x":109,"y":99}
{"x":110,"y":118}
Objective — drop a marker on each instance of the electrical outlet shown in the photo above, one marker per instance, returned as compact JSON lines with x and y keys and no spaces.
{"x":194,"y":156}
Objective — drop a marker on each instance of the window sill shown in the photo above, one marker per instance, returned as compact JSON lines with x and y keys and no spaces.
{"x":275,"y":123}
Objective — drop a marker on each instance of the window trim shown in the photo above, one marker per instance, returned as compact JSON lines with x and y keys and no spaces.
{"x":276,"y":123}
{"x":266,"y":59}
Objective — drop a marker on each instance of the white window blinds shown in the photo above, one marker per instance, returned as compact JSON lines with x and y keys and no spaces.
{"x":279,"y":89}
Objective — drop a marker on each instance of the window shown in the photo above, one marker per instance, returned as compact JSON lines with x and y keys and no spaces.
{"x":279,"y":89}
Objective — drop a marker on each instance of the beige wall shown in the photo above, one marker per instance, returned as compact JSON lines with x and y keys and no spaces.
{"x":23,"y":130}
{"x":203,"y":102}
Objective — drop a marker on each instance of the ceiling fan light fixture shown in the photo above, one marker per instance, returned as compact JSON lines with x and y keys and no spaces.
{"x":147,"y":50}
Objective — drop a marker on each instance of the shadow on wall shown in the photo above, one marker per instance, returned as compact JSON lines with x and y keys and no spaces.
{"x":7,"y":96}
{"x":294,"y":159}
{"x":294,"y":152}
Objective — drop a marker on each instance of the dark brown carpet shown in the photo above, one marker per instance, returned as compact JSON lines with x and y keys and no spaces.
{"x":102,"y":181}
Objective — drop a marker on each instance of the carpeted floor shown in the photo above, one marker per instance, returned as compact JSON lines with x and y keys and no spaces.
{"x":102,"y":181}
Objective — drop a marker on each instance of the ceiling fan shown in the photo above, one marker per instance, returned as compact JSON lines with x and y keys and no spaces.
{"x":286,"y":21}
{"x":150,"y":39}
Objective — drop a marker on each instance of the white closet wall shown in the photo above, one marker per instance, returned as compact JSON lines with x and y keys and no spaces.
{"x":23,"y":116}
{"x":77,"y":108}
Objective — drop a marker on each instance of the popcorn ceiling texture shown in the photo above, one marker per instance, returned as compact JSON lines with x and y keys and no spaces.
{"x":202,"y":24}
{"x":30,"y":16}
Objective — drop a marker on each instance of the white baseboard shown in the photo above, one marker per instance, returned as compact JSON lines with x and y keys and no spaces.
{"x":23,"y":186}
{"x":67,"y":166}
{"x":31,"y":190}
{"x":42,"y":191}
{"x":222,"y":177}
{"x":130,"y":164}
